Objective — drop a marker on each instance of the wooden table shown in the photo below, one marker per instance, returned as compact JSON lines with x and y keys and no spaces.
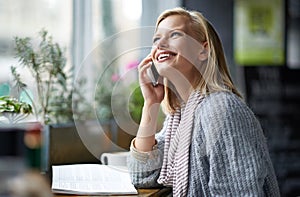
{"x":141,"y":193}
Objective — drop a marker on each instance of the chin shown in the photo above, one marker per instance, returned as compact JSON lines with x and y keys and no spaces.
{"x":163,"y":69}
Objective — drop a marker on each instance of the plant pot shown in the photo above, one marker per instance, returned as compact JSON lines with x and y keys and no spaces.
{"x":77,"y":143}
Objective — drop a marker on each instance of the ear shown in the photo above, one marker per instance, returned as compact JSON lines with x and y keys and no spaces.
{"x":204,"y":52}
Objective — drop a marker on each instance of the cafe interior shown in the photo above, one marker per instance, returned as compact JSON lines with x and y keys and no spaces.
{"x":90,"y":103}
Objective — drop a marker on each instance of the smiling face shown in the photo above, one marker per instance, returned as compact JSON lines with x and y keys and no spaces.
{"x":174,"y":47}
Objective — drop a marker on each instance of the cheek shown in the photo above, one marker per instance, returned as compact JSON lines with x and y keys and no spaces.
{"x":189,"y":52}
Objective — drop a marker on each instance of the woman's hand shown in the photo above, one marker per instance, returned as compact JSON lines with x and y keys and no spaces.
{"x":150,"y":93}
{"x":153,"y":96}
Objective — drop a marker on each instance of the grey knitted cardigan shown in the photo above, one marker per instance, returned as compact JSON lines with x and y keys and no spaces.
{"x":228,"y":153}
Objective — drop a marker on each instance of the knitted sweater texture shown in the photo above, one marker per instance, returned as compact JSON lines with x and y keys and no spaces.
{"x":228,"y":153}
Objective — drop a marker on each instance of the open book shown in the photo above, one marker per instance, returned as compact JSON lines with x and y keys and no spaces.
{"x":91,"y":179}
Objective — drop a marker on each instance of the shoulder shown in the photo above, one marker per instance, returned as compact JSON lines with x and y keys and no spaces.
{"x":222,"y":101}
{"x":222,"y":96}
{"x":225,"y":114}
{"x":225,"y":110}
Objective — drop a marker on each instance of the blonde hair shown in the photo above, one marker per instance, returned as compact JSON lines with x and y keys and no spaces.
{"x":215,"y":75}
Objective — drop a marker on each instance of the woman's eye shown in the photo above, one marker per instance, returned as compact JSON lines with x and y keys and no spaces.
{"x":155,"y":40}
{"x":175,"y":34}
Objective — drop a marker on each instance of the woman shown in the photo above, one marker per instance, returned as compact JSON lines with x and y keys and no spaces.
{"x":211,"y":143}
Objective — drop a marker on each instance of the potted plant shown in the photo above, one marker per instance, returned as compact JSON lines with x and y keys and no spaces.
{"x":14,"y":110}
{"x":47,"y":65}
{"x":57,"y":99}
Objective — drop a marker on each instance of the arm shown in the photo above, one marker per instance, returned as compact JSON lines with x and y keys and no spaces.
{"x":144,"y":167}
{"x":153,"y":96}
{"x":146,"y":160}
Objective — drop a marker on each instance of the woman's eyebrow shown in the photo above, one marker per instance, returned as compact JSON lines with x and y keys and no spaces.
{"x":168,"y":31}
{"x":177,"y":29}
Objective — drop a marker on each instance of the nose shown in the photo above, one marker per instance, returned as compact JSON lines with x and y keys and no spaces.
{"x":162,"y":43}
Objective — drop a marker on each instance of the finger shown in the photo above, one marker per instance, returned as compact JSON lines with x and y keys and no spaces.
{"x":160,"y":80}
{"x":144,"y":67}
{"x":145,"y":61}
{"x":143,"y":74}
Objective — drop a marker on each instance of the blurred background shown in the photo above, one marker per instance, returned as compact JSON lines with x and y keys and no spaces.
{"x":261,"y":39}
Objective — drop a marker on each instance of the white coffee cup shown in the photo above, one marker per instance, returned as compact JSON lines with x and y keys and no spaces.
{"x":114,"y":158}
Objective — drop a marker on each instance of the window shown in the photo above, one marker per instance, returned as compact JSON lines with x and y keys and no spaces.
{"x":100,"y":36}
{"x":25,"y":19}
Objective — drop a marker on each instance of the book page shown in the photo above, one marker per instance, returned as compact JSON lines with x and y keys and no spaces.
{"x":91,"y":179}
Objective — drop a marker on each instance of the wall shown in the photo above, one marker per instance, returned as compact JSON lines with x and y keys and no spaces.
{"x":220,"y":14}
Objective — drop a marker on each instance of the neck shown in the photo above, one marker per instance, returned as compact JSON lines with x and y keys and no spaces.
{"x":183,"y":91}
{"x":182,"y":85}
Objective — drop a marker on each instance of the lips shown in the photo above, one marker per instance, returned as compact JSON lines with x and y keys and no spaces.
{"x":165,"y":55}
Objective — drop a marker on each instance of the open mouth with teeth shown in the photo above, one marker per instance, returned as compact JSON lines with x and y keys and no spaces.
{"x":165,"y":56}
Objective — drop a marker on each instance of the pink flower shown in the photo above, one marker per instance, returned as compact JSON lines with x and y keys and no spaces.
{"x":132,"y":65}
{"x":115,"y":77}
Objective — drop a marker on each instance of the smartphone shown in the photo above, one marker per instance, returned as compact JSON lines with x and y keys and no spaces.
{"x":153,"y":75}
